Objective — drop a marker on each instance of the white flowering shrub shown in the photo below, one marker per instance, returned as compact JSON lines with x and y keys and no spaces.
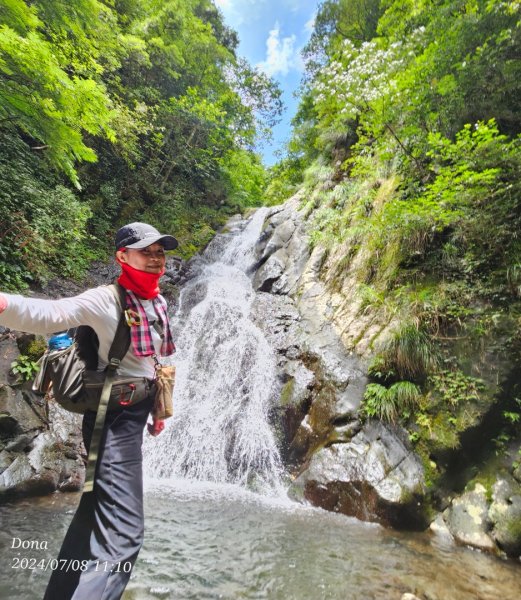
{"x":357,"y":78}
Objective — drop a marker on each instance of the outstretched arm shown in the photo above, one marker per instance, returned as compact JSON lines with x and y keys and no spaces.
{"x":37,"y":315}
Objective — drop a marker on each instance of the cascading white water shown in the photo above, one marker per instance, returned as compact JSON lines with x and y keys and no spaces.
{"x":225,"y":376}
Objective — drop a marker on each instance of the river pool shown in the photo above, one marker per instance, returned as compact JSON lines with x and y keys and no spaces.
{"x":209,"y":541}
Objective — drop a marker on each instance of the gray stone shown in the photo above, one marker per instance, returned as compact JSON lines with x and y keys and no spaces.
{"x":12,"y":403}
{"x":278,"y":319}
{"x":270,"y":271}
{"x":439,"y":527}
{"x":374,"y":477}
{"x":21,"y":443}
{"x":41,"y":471}
{"x":6,"y":459}
{"x":342,"y":434}
{"x":8,"y":353}
{"x":300,"y":332}
{"x":505,"y":515}
{"x":8,"y":425}
{"x":64,"y":425}
{"x":467,"y":519}
{"x":17,"y":475}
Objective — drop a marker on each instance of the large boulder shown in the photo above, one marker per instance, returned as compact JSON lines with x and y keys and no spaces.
{"x":374,"y":477}
{"x":487,"y":519}
{"x":282,"y":250}
{"x":505,"y":515}
{"x":467,"y":519}
{"x":17,"y":415}
{"x":37,"y":455}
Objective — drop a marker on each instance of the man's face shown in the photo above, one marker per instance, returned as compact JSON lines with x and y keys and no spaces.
{"x":151,"y":259}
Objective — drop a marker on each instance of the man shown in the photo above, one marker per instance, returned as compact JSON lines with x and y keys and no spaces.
{"x":106,"y":533}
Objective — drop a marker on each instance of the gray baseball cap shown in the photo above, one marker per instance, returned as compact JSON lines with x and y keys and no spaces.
{"x":141,"y":235}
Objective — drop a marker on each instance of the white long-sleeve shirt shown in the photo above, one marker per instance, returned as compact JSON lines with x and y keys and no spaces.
{"x":96,"y":307}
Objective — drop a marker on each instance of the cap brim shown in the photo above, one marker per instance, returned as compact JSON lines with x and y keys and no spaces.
{"x":167,"y":241}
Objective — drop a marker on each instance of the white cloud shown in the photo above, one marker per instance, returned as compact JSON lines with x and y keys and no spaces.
{"x":281,"y":55}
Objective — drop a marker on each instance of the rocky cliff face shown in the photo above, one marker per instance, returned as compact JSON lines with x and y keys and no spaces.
{"x":313,"y":317}
{"x":365,"y":471}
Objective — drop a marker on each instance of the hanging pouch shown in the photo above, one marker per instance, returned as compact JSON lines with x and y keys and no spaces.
{"x":165,"y":379}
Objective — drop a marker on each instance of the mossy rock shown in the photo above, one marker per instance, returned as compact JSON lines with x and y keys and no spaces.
{"x":507,"y":530}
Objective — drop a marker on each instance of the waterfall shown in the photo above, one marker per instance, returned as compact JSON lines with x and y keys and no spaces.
{"x":225,"y":374}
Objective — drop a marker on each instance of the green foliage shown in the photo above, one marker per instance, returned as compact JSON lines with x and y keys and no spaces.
{"x":410,"y":353}
{"x":246,"y":179}
{"x":46,"y":224}
{"x":431,"y":102}
{"x":378,"y":403}
{"x":456,"y":388}
{"x":392,"y":403}
{"x":283,"y":179}
{"x":145,"y":104}
{"x":337,"y":20}
{"x":36,"y":348}
{"x":41,"y":98}
{"x":408,"y":144}
{"x":25,"y":367}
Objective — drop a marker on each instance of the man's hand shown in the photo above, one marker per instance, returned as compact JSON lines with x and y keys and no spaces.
{"x":156,"y":427}
{"x":3,"y":303}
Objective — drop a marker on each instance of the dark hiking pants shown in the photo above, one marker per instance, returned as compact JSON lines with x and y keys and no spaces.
{"x":106,"y":533}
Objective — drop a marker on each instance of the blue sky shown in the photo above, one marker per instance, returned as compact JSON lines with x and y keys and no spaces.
{"x":271,"y":34}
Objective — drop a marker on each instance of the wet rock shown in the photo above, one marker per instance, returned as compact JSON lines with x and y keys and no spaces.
{"x":505,"y":515}
{"x":41,"y":471}
{"x":282,"y":250}
{"x":8,"y":353}
{"x":467,"y":519}
{"x":342,"y":434}
{"x":278,"y":319}
{"x":6,"y":459}
{"x":281,"y":234}
{"x":21,"y":443}
{"x":8,"y":425}
{"x":17,"y":476}
{"x":302,"y":334}
{"x":316,"y":426}
{"x":374,"y":477}
{"x":439,"y":526}
{"x":271,"y":271}
{"x":14,"y":406}
{"x":34,"y":460}
{"x":295,"y":398}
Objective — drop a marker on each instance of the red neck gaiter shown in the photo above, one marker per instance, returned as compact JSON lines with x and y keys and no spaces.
{"x":143,"y":284}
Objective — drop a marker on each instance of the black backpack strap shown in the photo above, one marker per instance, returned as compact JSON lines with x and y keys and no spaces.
{"x":121,"y":342}
{"x":118,"y":349}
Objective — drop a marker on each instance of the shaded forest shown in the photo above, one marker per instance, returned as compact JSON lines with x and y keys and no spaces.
{"x":120,"y":110}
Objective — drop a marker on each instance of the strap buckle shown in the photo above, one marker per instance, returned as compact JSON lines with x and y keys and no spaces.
{"x":113,"y":364}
